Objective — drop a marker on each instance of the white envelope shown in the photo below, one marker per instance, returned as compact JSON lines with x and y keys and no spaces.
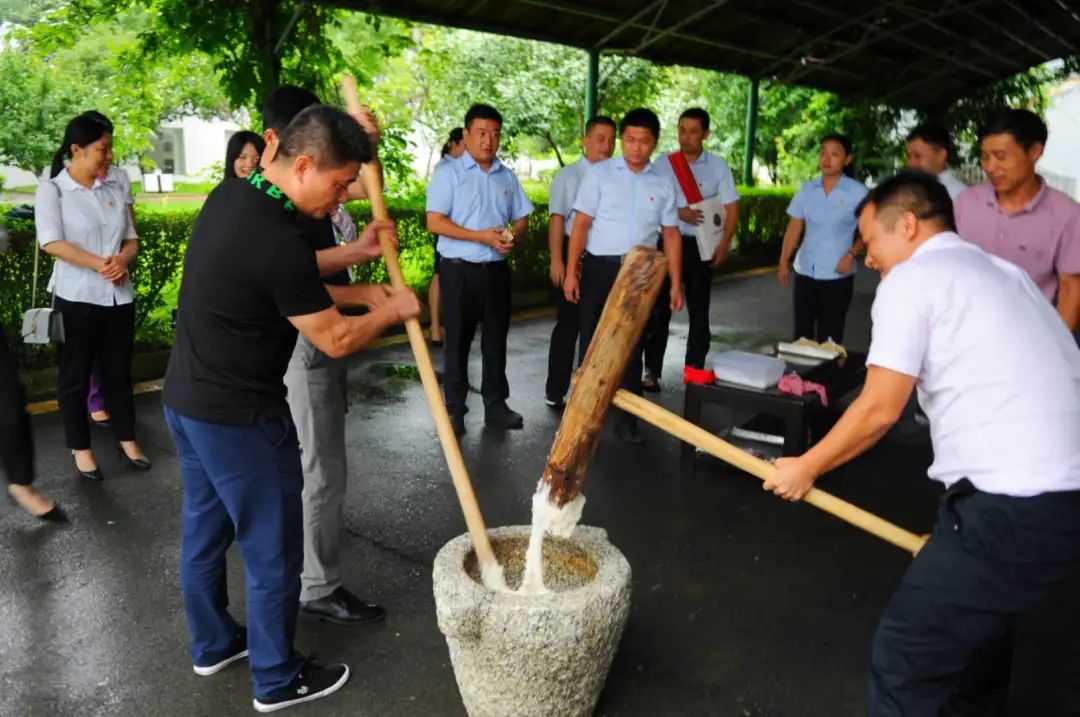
{"x":711,"y":230}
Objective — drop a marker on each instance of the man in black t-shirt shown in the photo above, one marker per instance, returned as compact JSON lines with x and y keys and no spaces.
{"x":251,"y":281}
{"x":317,"y":390}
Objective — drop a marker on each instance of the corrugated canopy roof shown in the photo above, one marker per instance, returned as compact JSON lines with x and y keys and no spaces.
{"x":914,"y":53}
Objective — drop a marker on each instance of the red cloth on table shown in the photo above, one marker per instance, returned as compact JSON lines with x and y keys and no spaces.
{"x":697,"y":375}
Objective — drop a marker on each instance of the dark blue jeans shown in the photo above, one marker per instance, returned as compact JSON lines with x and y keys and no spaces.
{"x":242,"y":483}
{"x":944,"y":645}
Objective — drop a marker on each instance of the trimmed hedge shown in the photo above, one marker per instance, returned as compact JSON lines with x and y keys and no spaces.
{"x":164,"y":235}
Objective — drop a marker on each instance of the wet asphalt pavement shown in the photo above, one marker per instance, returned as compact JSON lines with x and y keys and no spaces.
{"x":742,"y":604}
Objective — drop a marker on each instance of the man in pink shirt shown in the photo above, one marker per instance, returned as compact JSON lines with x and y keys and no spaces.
{"x":1018,"y":217}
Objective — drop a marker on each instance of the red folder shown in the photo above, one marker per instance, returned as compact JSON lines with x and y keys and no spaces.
{"x":685,"y":177}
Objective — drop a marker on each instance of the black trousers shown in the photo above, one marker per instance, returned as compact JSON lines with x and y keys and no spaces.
{"x":101,"y":336}
{"x":944,"y":644}
{"x":564,"y":339}
{"x":821,"y":307}
{"x":597,"y":277}
{"x":474,"y":293}
{"x":697,"y":291}
{"x":16,"y":441}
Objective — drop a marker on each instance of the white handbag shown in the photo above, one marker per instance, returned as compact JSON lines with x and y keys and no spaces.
{"x":41,"y":326}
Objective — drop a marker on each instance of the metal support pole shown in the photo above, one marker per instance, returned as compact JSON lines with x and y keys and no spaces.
{"x":591,"y":83}
{"x":751,"y":133}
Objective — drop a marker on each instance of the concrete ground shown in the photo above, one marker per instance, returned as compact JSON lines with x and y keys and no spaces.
{"x":742,"y":604}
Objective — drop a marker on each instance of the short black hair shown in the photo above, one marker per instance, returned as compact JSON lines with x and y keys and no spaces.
{"x":482,"y":111}
{"x":1026,"y":127}
{"x":236,"y":145}
{"x":330,"y":136}
{"x":598,"y":121}
{"x":640,"y":117}
{"x":842,"y":139}
{"x":81,"y":131}
{"x":95,"y":115}
{"x":934,"y":135}
{"x":915,"y":191}
{"x":285,"y":103}
{"x":698,"y":114}
{"x":457,"y":136}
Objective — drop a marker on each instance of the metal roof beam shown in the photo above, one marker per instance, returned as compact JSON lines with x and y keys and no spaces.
{"x":629,"y":23}
{"x":1009,"y":34}
{"x":793,"y":55}
{"x":574,"y":9}
{"x":683,"y":23}
{"x":895,"y":34}
{"x":1070,"y":48}
{"x":926,"y":18}
{"x":1070,"y":10}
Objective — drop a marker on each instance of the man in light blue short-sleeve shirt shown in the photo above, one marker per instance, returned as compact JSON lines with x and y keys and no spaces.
{"x":621,"y":203}
{"x":713,"y":177}
{"x":597,"y":145}
{"x":471,"y":202}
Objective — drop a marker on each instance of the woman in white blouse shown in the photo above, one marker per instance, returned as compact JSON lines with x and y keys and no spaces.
{"x":84,"y":223}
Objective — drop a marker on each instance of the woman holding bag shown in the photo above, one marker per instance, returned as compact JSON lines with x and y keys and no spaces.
{"x":84,"y":223}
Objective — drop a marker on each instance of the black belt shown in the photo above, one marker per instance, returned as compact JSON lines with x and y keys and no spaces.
{"x":477,"y":264}
{"x":605,"y":258}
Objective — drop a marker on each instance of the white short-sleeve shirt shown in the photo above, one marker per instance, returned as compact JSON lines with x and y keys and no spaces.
{"x":998,"y":372}
{"x":952,"y":184}
{"x":95,"y":220}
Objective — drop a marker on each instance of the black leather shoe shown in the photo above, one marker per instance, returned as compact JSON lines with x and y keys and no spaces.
{"x":500,"y":416}
{"x":343,"y":608}
{"x":107,"y":423}
{"x":139,"y":464}
{"x":650,"y":382}
{"x":458,"y":422}
{"x":94,"y":475}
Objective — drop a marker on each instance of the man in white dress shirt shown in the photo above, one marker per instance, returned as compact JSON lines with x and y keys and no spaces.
{"x":998,"y":374}
{"x":928,"y":148}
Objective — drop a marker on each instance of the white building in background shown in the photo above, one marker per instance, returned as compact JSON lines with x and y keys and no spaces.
{"x":1060,"y":163}
{"x":190,"y":147}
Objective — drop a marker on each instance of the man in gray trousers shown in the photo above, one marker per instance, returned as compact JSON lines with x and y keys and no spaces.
{"x":317,"y":387}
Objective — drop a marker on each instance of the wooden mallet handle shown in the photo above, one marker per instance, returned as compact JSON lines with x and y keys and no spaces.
{"x":462,"y":485}
{"x":695,"y":435}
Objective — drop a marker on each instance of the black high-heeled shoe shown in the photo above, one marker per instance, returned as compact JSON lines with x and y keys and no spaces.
{"x":106,"y":423}
{"x":94,"y":475}
{"x":139,"y":464}
{"x":55,"y":514}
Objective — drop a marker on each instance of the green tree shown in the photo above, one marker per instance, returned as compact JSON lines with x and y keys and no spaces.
{"x":537,"y":87}
{"x":47,"y":76}
{"x":26,"y":12}
{"x":1027,"y":89}
{"x":253,"y":45}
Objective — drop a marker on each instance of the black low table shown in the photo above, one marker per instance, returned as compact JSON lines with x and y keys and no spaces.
{"x":796,"y":412}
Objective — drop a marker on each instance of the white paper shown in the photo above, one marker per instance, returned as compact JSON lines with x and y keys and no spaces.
{"x":711,"y":230}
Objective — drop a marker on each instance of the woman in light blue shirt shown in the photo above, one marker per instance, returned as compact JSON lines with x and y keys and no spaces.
{"x":825,"y":265}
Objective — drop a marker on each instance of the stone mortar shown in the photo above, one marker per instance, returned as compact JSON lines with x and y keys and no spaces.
{"x":538,"y":655}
